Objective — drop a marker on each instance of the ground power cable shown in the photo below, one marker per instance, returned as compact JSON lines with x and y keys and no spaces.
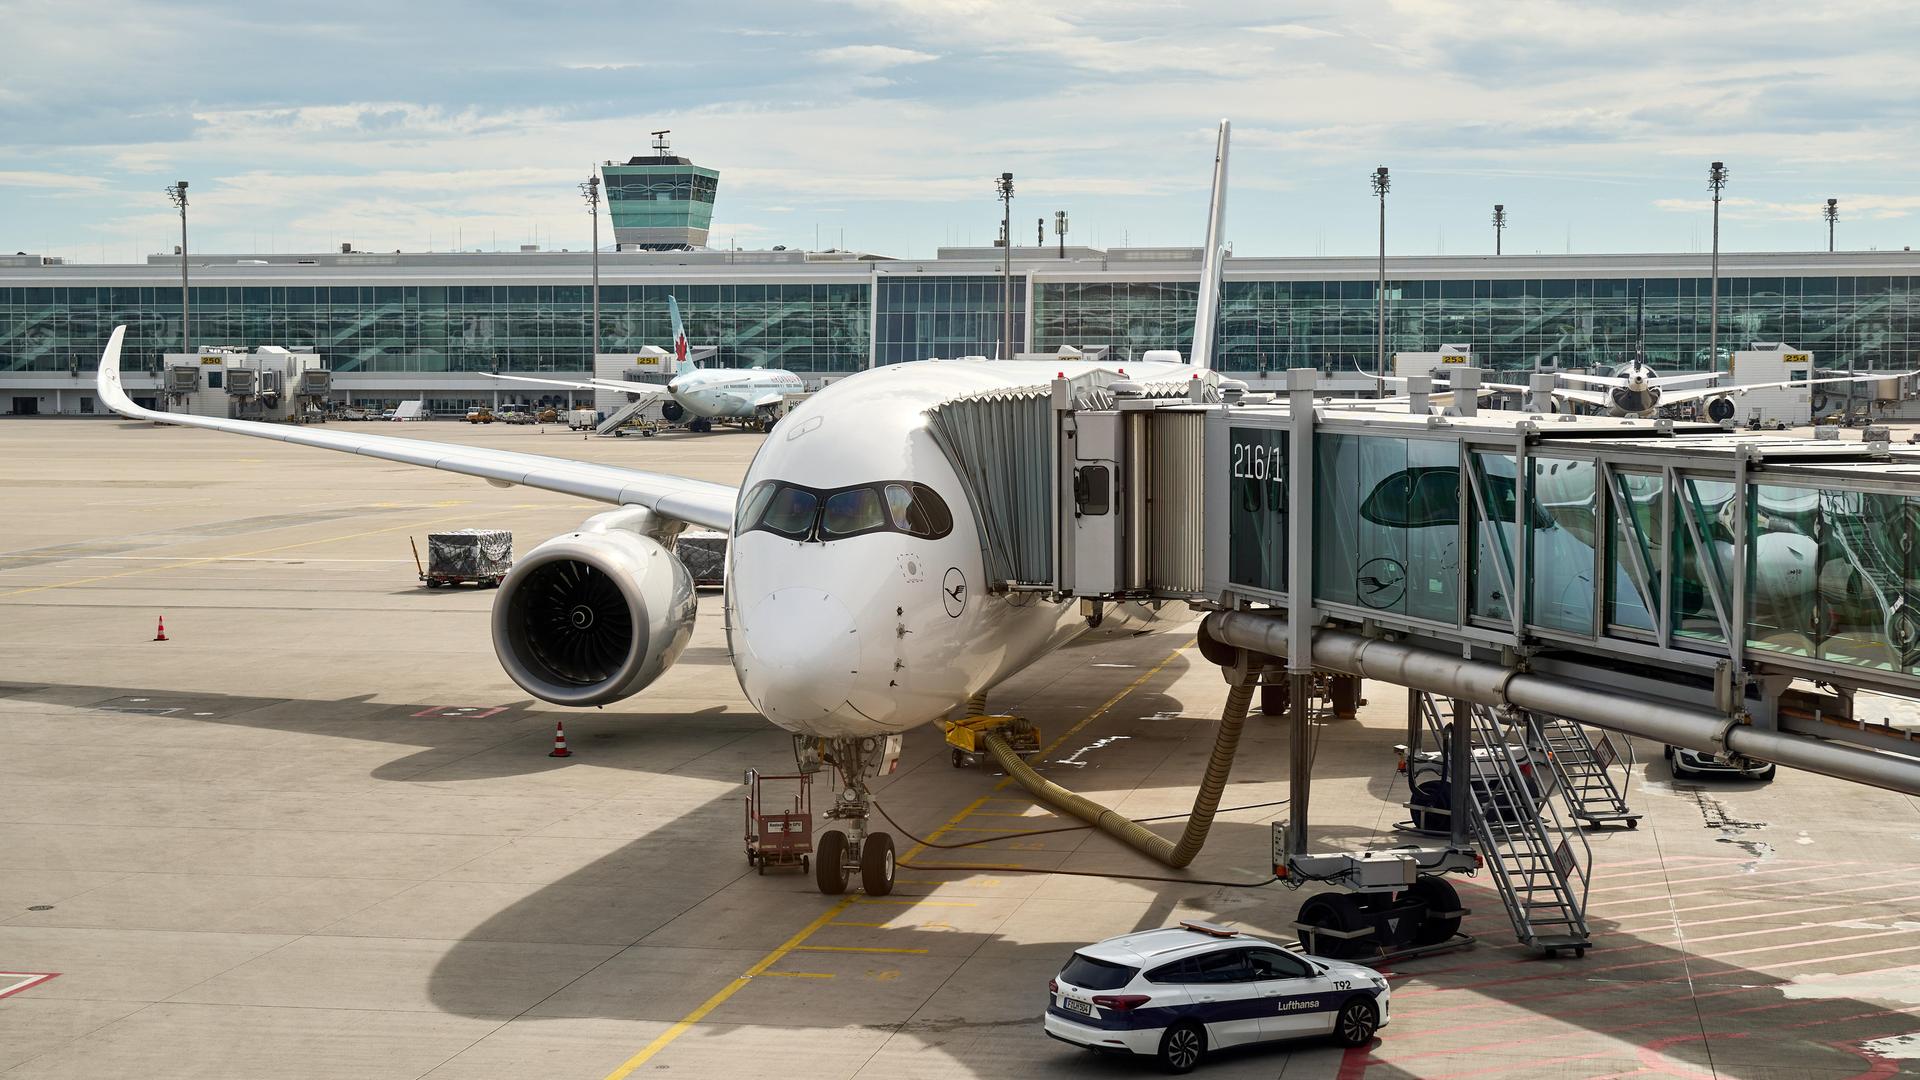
{"x":1011,"y":869}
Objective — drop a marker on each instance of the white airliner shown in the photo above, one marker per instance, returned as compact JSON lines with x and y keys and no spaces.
{"x":857,"y":605}
{"x":1635,"y":389}
{"x":752,"y":395}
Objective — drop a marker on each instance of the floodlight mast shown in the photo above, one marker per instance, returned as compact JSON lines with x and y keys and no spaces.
{"x":1004,"y":187}
{"x":591,"y":192}
{"x":1499,"y":224}
{"x":1832,"y":213}
{"x":1382,"y":182}
{"x":1060,"y":230}
{"x":177,"y":194}
{"x":1716,"y":182}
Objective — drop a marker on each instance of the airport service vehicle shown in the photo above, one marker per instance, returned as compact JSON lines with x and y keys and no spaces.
{"x":482,"y":415}
{"x":779,"y":834}
{"x":582,"y":419}
{"x":699,"y":396}
{"x":1180,"y":993}
{"x":1687,"y":764}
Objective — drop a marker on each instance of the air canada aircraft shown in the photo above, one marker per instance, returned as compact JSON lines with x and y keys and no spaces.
{"x":751,"y":395}
{"x":1635,"y":389}
{"x":857,"y":605}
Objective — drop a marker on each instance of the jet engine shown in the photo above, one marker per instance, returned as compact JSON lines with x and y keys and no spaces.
{"x":596,"y":615}
{"x":1720,"y":409}
{"x":672,"y":411}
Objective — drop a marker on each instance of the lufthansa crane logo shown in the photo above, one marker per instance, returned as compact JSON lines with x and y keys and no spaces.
{"x":953,"y":592}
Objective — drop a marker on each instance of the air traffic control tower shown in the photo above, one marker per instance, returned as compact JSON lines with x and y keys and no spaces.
{"x":660,"y":203}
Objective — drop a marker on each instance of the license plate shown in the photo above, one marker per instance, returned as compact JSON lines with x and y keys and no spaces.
{"x":1084,"y":1008}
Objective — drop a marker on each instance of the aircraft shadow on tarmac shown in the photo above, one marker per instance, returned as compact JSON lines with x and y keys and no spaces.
{"x":963,"y":1010}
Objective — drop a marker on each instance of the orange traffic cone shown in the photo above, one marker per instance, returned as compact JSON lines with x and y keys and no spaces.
{"x":560,"y":741}
{"x":161,"y":634}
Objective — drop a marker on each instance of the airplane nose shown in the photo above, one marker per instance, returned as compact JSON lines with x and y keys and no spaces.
{"x":803,"y":651}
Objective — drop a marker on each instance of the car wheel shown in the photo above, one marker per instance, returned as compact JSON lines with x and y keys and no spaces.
{"x":1182,"y":1047}
{"x":1357,"y":1022}
{"x":830,"y":863}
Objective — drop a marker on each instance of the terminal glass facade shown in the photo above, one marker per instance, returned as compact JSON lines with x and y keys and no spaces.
{"x":1869,"y":322}
{"x":428,"y":328}
{"x":927,"y":315}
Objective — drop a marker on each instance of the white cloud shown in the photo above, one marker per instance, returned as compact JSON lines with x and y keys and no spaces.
{"x":872,"y":57}
{"x":1294,"y":31}
{"x":51,"y":180}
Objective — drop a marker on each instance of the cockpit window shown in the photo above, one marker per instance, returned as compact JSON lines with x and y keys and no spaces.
{"x":812,"y":514}
{"x":790,"y":512}
{"x":852,"y":512}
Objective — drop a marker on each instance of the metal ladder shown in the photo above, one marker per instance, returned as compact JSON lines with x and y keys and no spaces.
{"x":622,"y":416}
{"x":1583,"y":768}
{"x":1542,"y":877}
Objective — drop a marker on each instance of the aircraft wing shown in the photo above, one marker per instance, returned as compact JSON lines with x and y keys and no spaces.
{"x":774,"y":397}
{"x":1682,"y":396}
{"x":621,"y":385}
{"x":1585,"y":397}
{"x":696,"y":502}
{"x":1675,"y":380}
{"x":1590,"y":380}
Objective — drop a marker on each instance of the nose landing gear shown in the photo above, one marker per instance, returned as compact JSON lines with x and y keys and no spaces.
{"x":843,"y":853}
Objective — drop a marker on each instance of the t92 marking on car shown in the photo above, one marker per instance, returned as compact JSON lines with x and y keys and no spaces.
{"x":1179,"y":993}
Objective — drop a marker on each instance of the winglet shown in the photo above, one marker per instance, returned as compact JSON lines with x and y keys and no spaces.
{"x":107,"y":382}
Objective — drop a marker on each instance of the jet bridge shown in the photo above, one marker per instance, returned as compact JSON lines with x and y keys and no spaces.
{"x":1730,"y":592}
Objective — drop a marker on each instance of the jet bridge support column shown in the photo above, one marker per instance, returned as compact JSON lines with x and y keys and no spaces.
{"x":1300,"y":385}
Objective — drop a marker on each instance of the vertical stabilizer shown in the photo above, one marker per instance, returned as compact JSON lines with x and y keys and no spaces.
{"x":682,"y":356}
{"x":1211,"y":258}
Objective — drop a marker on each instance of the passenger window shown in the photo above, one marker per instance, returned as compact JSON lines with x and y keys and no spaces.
{"x":1274,"y":964}
{"x":851,"y":512}
{"x":790,"y":513}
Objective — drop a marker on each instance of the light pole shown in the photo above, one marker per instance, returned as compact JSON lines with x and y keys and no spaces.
{"x":177,"y":194}
{"x":1004,"y":186}
{"x":1380,"y":185}
{"x":1716,"y":180}
{"x":1060,"y":230}
{"x":1499,"y":224}
{"x":1832,"y":213}
{"x":591,"y":192}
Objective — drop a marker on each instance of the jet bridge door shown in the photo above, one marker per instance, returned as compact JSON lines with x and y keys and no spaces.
{"x":1092,"y":519}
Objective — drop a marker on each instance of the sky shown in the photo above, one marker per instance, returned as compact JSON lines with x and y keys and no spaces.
{"x":880,"y":124}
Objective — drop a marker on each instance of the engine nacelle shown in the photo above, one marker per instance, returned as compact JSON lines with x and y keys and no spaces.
{"x":672,"y":411}
{"x":594,"y":616}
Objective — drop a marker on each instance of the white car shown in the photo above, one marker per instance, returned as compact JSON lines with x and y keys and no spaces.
{"x":1690,"y":763}
{"x":1178,"y":993}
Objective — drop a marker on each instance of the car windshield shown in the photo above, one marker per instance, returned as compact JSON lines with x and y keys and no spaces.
{"x":820,"y":515}
{"x":1090,"y":974}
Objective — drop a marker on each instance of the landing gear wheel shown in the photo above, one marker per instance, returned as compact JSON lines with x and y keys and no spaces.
{"x":1182,"y":1047}
{"x":876,"y":864}
{"x":1273,"y":699}
{"x":830,"y":868}
{"x":1437,"y":894}
{"x":1357,"y":1022}
{"x":1338,"y":912}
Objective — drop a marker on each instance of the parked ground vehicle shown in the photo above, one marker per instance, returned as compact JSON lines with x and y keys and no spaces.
{"x":480,"y":415}
{"x":1178,"y":993}
{"x":1690,"y":763}
{"x":514,"y":416}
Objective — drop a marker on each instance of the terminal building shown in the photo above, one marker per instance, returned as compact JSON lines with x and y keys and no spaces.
{"x":396,"y":326}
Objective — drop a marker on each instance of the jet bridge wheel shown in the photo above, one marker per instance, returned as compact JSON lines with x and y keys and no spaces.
{"x":1438,"y":895}
{"x":1340,"y":913}
{"x":1273,"y":699}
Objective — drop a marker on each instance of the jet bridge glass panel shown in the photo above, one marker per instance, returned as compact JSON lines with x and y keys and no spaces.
{"x":1702,"y":537}
{"x":1387,"y":524}
{"x":1493,"y":508}
{"x":1561,"y":559}
{"x":1635,"y":551}
{"x":1257,"y":493}
{"x":1834,"y":574}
